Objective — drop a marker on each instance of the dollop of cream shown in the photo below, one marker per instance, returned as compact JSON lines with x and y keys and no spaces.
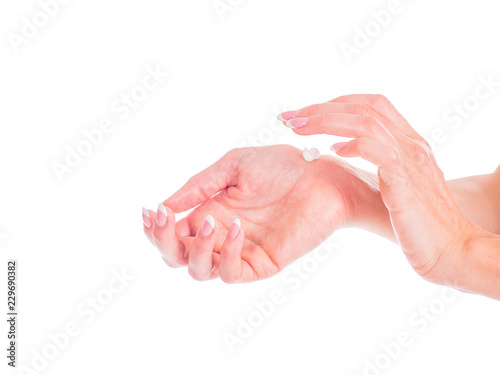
{"x":310,"y":155}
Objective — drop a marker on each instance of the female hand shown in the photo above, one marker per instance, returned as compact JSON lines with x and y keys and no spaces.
{"x":286,"y":207}
{"x":429,"y":226}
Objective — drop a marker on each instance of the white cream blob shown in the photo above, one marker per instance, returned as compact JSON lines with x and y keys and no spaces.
{"x":310,"y":155}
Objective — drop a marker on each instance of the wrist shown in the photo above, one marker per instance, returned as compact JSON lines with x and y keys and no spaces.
{"x":368,"y":210}
{"x":364,"y":205}
{"x":479,"y":269}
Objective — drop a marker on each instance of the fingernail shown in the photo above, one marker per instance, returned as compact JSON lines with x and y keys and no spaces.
{"x":208,"y":226}
{"x":338,"y":146}
{"x":235,"y":229}
{"x":146,"y":218}
{"x":285,"y":116}
{"x":297,"y":123}
{"x":161,"y":215}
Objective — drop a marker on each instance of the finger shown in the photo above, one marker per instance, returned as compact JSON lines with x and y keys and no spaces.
{"x":165,"y":238}
{"x":200,"y":263}
{"x":148,"y":218}
{"x":232,"y":268}
{"x":354,"y":109}
{"x":395,"y":185}
{"x":381,"y":105}
{"x":205,"y":184}
{"x":328,"y":107}
{"x":183,"y":227}
{"x":376,"y":152}
{"x":406,"y":142}
{"x":342,"y":124}
{"x":187,"y":242}
{"x":348,"y":108}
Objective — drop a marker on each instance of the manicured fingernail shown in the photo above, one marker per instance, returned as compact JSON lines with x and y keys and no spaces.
{"x":146,"y":218}
{"x":161,"y":215}
{"x":285,"y":116}
{"x":338,"y":146}
{"x":235,"y":229}
{"x":297,"y":123}
{"x":208,"y":226}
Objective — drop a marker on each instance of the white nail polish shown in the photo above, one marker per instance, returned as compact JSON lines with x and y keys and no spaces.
{"x":208,"y":226}
{"x":161,"y":215}
{"x":234,"y":230}
{"x":162,"y":209}
{"x":146,"y":217}
{"x":281,"y":118}
{"x":288,"y":124}
{"x":210,"y":220}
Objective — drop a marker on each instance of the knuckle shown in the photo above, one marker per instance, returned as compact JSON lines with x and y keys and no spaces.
{"x":418,"y":139}
{"x":359,"y":145}
{"x":393,"y":156}
{"x":371,"y":124}
{"x":425,"y":145}
{"x":419,"y":154}
{"x":338,"y":99}
{"x":204,"y":187}
{"x":322,"y":118}
{"x":320,"y":122}
{"x":379,"y":100}
{"x":231,"y":153}
{"x":315,"y":108}
{"x":310,"y":111}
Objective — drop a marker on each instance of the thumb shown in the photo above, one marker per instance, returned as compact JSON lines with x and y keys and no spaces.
{"x":204,"y":185}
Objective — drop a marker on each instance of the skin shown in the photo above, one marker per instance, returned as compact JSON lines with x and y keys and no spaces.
{"x":442,"y":244}
{"x":288,"y":206}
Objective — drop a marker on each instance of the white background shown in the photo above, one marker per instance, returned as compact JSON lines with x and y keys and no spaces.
{"x":228,"y":79}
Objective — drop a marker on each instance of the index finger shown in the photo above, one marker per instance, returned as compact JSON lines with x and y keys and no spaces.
{"x":381,"y":105}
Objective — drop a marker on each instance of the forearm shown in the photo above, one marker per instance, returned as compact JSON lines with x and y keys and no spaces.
{"x":477,"y":262}
{"x":478,"y":197}
{"x":479,"y":270}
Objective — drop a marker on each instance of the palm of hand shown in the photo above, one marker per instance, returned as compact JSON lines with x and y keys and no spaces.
{"x":286,"y":205}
